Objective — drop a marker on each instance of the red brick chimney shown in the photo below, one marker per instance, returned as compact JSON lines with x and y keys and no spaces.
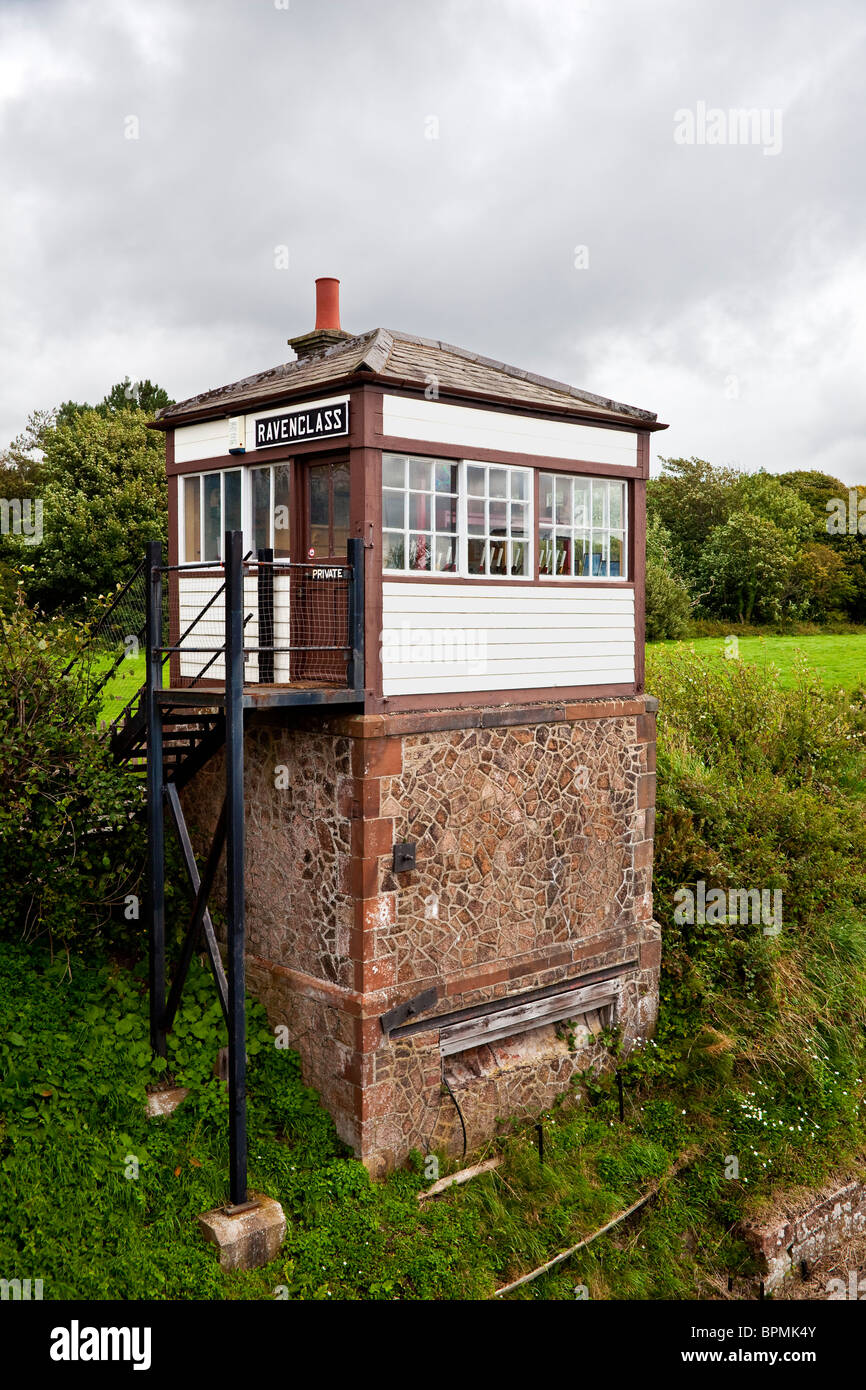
{"x":327,"y":331}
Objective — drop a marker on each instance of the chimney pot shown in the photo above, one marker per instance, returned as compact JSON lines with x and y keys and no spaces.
{"x":328,"y":303}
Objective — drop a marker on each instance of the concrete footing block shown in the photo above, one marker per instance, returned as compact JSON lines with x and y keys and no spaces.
{"x":248,"y":1239}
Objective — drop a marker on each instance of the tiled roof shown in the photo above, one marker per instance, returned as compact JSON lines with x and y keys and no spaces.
{"x":399,"y":358}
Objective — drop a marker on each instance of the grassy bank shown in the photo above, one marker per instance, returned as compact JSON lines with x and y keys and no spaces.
{"x":838,"y":659}
{"x":759,"y":1055}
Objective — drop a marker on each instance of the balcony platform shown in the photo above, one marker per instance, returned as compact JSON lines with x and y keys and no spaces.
{"x":257,"y":697}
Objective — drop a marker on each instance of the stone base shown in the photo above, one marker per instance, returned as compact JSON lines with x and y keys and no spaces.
{"x":250,"y":1239}
{"x":807,"y":1231}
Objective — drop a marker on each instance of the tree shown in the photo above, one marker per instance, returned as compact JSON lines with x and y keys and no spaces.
{"x":691,"y":498}
{"x":100,"y":475}
{"x":823,"y":581}
{"x":746,"y":567}
{"x":668,"y":604}
{"x":104,"y":497}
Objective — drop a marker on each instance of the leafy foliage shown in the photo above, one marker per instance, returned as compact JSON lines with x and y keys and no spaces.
{"x":71,"y":851}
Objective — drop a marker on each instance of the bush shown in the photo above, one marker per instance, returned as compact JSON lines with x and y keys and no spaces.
{"x":70,"y":847}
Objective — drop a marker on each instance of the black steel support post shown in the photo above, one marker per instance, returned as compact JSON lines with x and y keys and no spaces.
{"x":155,"y":779}
{"x":355,"y":672}
{"x":266,"y":616}
{"x":234,"y":663}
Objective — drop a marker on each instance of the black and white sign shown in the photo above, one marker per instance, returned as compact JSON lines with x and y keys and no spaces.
{"x":305,"y":423}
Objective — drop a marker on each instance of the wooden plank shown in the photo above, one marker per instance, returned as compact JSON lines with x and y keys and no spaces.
{"x":464,"y":1175}
{"x":474,"y":1032}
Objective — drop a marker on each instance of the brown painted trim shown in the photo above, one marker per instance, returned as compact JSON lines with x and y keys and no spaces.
{"x":366,"y":522}
{"x":420,"y":448}
{"x":479,"y":699}
{"x":402,"y":386}
{"x":376,"y":727}
{"x":643,"y":454}
{"x":637,"y":530}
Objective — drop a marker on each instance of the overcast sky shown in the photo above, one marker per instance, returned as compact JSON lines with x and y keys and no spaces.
{"x":447,"y":161}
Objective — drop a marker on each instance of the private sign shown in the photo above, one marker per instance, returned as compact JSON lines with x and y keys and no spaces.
{"x":305,"y":423}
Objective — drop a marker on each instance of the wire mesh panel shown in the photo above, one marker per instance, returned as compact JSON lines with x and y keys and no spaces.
{"x":296,"y":623}
{"x":320,"y":623}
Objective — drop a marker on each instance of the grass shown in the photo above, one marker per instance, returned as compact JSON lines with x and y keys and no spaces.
{"x":838,"y":659}
{"x":759,"y":1055}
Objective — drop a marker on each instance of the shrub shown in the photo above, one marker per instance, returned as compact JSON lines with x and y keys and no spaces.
{"x":71,"y":848}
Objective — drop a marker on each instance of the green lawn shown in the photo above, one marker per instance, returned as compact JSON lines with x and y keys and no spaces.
{"x":839,"y":659}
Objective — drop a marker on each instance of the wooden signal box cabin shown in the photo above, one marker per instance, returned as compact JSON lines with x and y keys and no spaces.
{"x":449,"y":819}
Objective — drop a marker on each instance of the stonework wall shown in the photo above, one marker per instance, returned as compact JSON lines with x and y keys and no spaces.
{"x":533,"y":830}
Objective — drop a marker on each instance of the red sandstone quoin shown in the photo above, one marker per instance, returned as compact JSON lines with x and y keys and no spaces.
{"x":449,"y":858}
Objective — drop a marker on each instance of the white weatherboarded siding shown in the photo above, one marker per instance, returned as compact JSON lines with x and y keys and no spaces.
{"x":458,"y":638}
{"x":432,"y":422}
{"x":209,"y":632}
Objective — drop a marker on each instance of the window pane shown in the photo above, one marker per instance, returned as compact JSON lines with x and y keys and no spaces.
{"x":616,"y":505}
{"x":519,"y":486}
{"x":320,"y":531}
{"x":563,"y":501}
{"x":498,"y":557}
{"x":498,"y":518}
{"x":232,"y":502}
{"x":476,"y":554}
{"x":475,"y":516}
{"x":581,"y":554}
{"x":446,"y":477}
{"x":392,"y":550}
{"x":419,"y":552}
{"x":394,"y":509}
{"x":545,"y":552}
{"x":340,"y":538}
{"x":420,"y":475}
{"x":191,"y":519}
{"x":498,"y":482}
{"x":446,"y":553}
{"x":281,"y":511}
{"x":446,"y":513}
{"x":393,"y":471}
{"x":545,"y":498}
{"x":420,"y":511}
{"x":599,"y":492}
{"x":563,"y":555}
{"x":212,"y":516}
{"x":518,"y":519}
{"x":475,"y":481}
{"x":617,"y":567}
{"x":581,"y":503}
{"x":519,"y":557}
{"x":599,"y":558}
{"x":261,"y":490}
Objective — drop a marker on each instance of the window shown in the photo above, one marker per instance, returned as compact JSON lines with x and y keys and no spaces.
{"x":213,"y":503}
{"x":269,"y":498}
{"x":581,"y":527}
{"x":211,"y":506}
{"x":419,"y":514}
{"x":497,"y":520}
{"x":329,"y":509}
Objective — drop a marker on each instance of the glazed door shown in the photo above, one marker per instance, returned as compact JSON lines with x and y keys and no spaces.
{"x":320,"y":610}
